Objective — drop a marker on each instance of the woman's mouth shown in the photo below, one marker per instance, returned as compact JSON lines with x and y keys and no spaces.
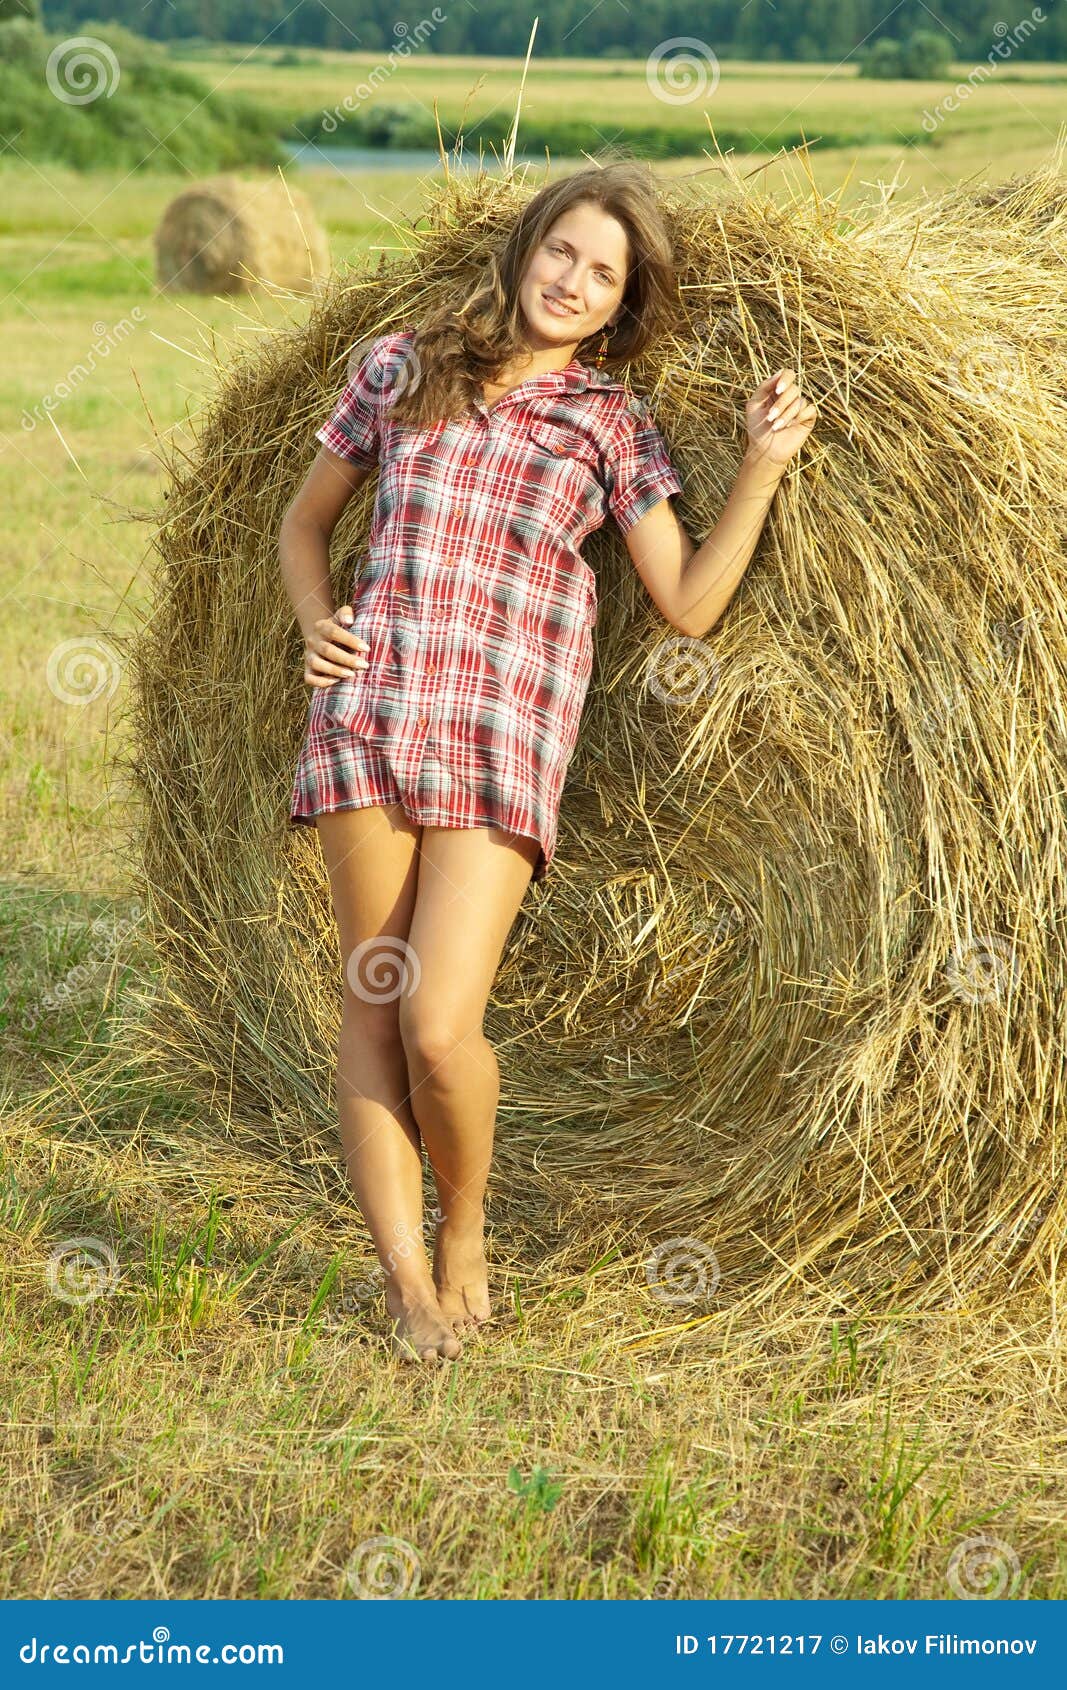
{"x":557,"y":308}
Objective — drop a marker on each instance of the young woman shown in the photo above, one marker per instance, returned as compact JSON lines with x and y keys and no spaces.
{"x":446,"y":700}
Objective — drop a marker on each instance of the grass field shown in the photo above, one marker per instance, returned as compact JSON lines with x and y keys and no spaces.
{"x":221,"y":1422}
{"x":827,"y":99}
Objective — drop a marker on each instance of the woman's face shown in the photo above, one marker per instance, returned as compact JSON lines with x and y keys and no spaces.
{"x":575,"y":279}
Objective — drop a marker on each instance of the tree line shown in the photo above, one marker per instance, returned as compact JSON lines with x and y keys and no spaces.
{"x":829,"y":30}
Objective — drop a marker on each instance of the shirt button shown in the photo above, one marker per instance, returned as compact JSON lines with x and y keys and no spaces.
{"x":471,"y":458}
{"x":448,"y":560}
{"x":431,"y":668}
{"x":422,"y":721}
{"x":458,"y":510}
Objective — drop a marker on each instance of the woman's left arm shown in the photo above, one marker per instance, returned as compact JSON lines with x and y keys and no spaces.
{"x":705,"y":577}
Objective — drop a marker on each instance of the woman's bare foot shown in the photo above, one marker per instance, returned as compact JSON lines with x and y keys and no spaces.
{"x":461,"y":1276}
{"x":420,"y":1332}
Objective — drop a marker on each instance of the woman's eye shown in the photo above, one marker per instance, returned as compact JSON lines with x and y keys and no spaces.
{"x":601,"y":273}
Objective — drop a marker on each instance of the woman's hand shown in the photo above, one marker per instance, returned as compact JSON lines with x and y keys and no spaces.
{"x":330,"y":651}
{"x":778,"y":418}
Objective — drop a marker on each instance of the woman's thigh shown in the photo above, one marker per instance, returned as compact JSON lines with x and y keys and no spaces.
{"x":372,"y":860}
{"x":471,"y":885}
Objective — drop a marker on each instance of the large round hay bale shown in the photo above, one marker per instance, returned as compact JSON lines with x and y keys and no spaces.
{"x":231,"y":236}
{"x":795,"y":994}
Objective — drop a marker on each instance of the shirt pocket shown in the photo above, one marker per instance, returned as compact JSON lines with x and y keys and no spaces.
{"x":564,"y":466}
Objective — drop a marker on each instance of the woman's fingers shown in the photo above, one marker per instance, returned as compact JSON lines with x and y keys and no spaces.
{"x":340,"y":654}
{"x":788,"y":395}
{"x":788,"y":413}
{"x":340,"y":635}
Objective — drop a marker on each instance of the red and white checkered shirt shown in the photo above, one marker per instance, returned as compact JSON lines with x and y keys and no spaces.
{"x":475,"y":600}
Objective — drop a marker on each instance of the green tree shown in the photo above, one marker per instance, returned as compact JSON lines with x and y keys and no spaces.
{"x":926,"y":55}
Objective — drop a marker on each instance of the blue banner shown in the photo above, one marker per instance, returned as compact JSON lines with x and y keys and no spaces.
{"x":572,"y":1643}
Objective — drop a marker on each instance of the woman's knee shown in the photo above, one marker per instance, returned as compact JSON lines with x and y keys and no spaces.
{"x":434,"y":1036}
{"x":375,"y":1023}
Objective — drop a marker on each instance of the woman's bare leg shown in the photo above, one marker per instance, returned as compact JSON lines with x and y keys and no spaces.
{"x":371,"y":857}
{"x":471,"y":884}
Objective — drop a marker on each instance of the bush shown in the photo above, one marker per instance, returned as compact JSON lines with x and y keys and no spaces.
{"x":923,"y":57}
{"x":152,"y":97}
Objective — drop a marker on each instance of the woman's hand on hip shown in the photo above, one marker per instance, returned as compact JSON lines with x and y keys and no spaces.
{"x":330,"y":651}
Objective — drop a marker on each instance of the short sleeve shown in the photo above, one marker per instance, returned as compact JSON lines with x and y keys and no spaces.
{"x":353,"y":429}
{"x":639,"y":468}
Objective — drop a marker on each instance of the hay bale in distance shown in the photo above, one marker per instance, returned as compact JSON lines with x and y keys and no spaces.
{"x":231,"y":236}
{"x":796,"y":993}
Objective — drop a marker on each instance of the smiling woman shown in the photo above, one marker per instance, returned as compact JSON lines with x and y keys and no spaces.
{"x":449,"y":693}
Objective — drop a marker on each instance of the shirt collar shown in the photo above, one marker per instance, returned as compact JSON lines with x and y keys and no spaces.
{"x":573,"y":378}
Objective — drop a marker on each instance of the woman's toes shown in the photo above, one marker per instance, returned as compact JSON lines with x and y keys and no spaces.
{"x":420,"y":1332}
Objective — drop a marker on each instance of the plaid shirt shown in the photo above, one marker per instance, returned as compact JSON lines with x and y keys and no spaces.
{"x":474,"y":598}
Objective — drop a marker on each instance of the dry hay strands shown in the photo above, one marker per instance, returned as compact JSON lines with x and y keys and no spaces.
{"x":233,"y":236}
{"x":795,"y":994}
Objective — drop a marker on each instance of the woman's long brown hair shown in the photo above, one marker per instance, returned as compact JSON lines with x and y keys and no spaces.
{"x":459,"y":347}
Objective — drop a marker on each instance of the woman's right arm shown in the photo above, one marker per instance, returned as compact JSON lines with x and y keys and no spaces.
{"x":330,"y":651}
